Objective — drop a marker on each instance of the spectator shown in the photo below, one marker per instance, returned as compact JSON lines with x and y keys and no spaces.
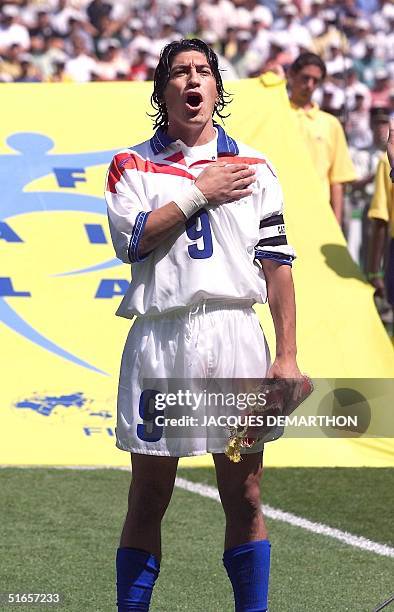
{"x":78,"y":29}
{"x":382,"y":17}
{"x":59,"y":74}
{"x":314,"y":22}
{"x":260,"y":39}
{"x":11,"y":67}
{"x":367,"y":65}
{"x":28,"y":73}
{"x":96,"y":10}
{"x":380,"y":92}
{"x":331,"y":34}
{"x":359,"y":36}
{"x":333,"y":98}
{"x":218,"y":15}
{"x":336,"y":61}
{"x":42,"y":28}
{"x":140,"y":67}
{"x":322,"y":132}
{"x":186,"y":17}
{"x":360,"y":193}
{"x":230,"y":43}
{"x":227,"y":71}
{"x":82,"y":66}
{"x":297,"y":35}
{"x":279,"y":57}
{"x":54,"y":50}
{"x":112,"y":60}
{"x":61,"y":16}
{"x":152,"y":13}
{"x":358,"y":123}
{"x":380,"y":270}
{"x":354,"y":87}
{"x":11,"y":31}
{"x":245,"y":12}
{"x":166,"y":35}
{"x":246,"y":61}
{"x":138,"y":39}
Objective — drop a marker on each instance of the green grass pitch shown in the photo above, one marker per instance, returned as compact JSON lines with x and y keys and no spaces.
{"x":60,"y":530}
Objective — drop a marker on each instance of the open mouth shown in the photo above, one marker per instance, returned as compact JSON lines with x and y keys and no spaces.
{"x":193,"y":100}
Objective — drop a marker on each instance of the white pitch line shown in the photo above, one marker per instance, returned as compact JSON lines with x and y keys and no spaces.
{"x":296,"y":521}
{"x":274,"y":513}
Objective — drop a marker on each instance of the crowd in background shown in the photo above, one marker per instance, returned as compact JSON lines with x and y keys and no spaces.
{"x":97,"y":40}
{"x":84,"y":40}
{"x":101,"y":40}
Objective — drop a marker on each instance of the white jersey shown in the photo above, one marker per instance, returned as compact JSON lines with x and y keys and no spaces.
{"x":215,"y":256}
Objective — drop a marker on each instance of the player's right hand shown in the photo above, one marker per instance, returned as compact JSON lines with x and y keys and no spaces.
{"x":222,"y":182}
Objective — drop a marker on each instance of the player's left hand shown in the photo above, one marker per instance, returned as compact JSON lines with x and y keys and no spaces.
{"x":289,"y":373}
{"x":284,"y":368}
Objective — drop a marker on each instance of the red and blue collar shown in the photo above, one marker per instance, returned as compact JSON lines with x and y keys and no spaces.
{"x":226,"y":145}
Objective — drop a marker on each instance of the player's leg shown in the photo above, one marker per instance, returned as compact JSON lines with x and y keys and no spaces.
{"x":150,"y":492}
{"x":246,"y":546}
{"x":139,"y":553}
{"x":239,"y":489}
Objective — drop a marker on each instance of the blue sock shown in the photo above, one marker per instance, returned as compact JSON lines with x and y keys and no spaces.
{"x":136,"y":572}
{"x":248,"y":567}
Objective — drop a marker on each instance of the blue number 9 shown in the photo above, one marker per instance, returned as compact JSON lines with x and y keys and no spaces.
{"x":149,"y":431}
{"x":198,"y":227}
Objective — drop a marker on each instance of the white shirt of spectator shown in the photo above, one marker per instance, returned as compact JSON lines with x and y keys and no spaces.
{"x":357,"y":88}
{"x":315,"y":26}
{"x":60,"y":20}
{"x":260,"y":44}
{"x":14,"y":34}
{"x":108,"y":70}
{"x":219,"y":15}
{"x":80,"y":68}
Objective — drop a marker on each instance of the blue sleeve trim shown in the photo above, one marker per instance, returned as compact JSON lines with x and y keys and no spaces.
{"x":279,"y":257}
{"x":136,"y":236}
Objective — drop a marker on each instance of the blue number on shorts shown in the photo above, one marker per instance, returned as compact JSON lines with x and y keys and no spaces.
{"x":149,"y":431}
{"x":201,"y":220}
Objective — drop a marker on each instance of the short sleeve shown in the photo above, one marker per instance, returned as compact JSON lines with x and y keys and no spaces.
{"x":127,"y":206}
{"x":272,"y":229}
{"x":381,"y":204}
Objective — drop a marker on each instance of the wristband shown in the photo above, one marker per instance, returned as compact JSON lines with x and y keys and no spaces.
{"x":190,"y":201}
{"x":372,"y":275}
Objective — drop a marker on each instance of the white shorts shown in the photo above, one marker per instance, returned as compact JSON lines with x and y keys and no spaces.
{"x":208,"y":343}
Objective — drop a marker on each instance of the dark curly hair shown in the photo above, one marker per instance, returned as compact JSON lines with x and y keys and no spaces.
{"x":162,"y":75}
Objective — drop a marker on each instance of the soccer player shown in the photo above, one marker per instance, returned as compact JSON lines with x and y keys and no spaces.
{"x":200,"y":217}
{"x":322,"y":132}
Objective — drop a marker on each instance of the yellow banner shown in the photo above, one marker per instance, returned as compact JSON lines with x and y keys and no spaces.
{"x":60,"y":284}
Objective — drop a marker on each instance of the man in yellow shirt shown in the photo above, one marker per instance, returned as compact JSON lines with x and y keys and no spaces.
{"x":381,"y":259}
{"x":322,"y":132}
